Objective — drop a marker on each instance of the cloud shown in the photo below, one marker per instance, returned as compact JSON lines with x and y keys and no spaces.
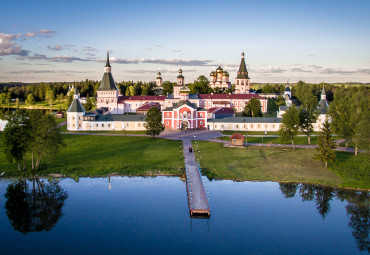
{"x":89,"y":54}
{"x":311,"y":55}
{"x":177,"y":62}
{"x":46,"y":33}
{"x":154,"y":71}
{"x":9,"y":47}
{"x":176,"y":51}
{"x":88,"y":48}
{"x":148,"y":48}
{"x":47,"y":71}
{"x":157,"y":45}
{"x":55,"y":48}
{"x":312,"y":69}
{"x":57,"y":58}
{"x":60,"y":47}
{"x":29,"y":34}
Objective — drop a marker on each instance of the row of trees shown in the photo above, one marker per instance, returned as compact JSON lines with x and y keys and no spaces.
{"x":30,"y":132}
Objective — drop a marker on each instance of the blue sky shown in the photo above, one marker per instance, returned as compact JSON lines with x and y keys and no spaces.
{"x":67,"y":40}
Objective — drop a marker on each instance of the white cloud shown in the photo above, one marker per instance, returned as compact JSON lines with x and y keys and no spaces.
{"x":9,"y":47}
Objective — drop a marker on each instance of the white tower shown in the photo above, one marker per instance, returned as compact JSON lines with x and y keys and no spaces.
{"x":75,"y":113}
{"x":242,"y":85}
{"x":107,"y":93}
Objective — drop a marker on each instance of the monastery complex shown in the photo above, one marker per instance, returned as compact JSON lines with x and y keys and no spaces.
{"x":180,"y":110}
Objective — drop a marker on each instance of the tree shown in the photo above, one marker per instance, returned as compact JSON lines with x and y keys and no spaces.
{"x":307,"y":111}
{"x":289,"y":125}
{"x":168,"y":87}
{"x":153,"y":121}
{"x":88,"y":106}
{"x":30,"y":100}
{"x":16,"y":137}
{"x":347,"y":111}
{"x":2,"y":99}
{"x":17,"y":103}
{"x":253,"y":108}
{"x":45,"y":138}
{"x":326,"y":145}
{"x":50,"y":96}
{"x":200,"y":86}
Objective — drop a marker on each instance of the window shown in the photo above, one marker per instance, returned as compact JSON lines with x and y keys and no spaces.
{"x":251,"y":125}
{"x":201,"y":122}
{"x":102,"y":125}
{"x":237,"y":82}
{"x":97,"y":125}
{"x":139,"y":125}
{"x":167,"y":123}
{"x":234,"y":140}
{"x":73,"y":118}
{"x":73,"y":125}
{"x":237,"y":126}
{"x":259,"y":126}
{"x":108,"y":125}
{"x":79,"y":125}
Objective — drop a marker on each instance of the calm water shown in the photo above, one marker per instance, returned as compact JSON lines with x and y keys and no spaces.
{"x":150,"y":216}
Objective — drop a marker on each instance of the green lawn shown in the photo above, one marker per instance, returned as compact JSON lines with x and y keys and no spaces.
{"x":300,"y":140}
{"x":273,"y":164}
{"x":101,"y":155}
{"x":38,"y":105}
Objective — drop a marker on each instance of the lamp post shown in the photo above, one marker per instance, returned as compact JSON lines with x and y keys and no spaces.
{"x":246,"y":138}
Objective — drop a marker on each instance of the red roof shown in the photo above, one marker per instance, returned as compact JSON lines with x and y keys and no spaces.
{"x":221,"y":102}
{"x":147,"y":106}
{"x":210,"y":110}
{"x":236,"y":136}
{"x":141,"y":98}
{"x":228,"y":96}
{"x":225,"y":110}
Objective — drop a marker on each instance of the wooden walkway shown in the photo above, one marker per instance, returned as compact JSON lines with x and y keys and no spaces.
{"x":197,"y":198}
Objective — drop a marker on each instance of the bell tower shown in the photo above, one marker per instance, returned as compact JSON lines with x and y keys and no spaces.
{"x":242,"y":85}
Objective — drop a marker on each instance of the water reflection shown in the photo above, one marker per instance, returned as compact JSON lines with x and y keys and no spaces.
{"x":358,"y":208}
{"x":34,"y":205}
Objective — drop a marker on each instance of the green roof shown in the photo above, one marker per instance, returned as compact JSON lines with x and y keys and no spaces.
{"x":323,"y":107}
{"x":120,"y":117}
{"x":248,"y":120}
{"x":76,"y":106}
{"x":107,"y":82}
{"x":181,"y":103}
{"x":242,"y":73}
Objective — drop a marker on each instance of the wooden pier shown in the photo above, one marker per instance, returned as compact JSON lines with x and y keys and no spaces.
{"x":197,"y":197}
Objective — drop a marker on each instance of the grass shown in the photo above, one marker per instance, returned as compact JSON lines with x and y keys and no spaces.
{"x":300,"y":140}
{"x":97,"y":155}
{"x":38,"y":105}
{"x":274,"y":164}
{"x":354,"y":170}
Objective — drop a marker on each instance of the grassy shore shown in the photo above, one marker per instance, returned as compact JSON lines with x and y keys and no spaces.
{"x":97,"y":155}
{"x":275,"y":164}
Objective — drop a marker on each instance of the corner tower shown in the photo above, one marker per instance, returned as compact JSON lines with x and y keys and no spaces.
{"x":242,"y":85}
{"x":75,"y":113}
{"x":107,"y":93}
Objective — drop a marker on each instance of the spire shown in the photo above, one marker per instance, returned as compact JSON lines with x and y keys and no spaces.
{"x":243,"y":72}
{"x":75,"y":96}
{"x":323,"y":94}
{"x":107,"y":64}
{"x":107,"y":67}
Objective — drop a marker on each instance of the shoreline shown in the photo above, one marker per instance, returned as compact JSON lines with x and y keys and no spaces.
{"x":61,"y":176}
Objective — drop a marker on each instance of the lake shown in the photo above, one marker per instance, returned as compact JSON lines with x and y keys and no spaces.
{"x":141,"y":215}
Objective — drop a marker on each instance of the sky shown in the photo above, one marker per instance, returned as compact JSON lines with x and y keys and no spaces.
{"x":315,"y":41}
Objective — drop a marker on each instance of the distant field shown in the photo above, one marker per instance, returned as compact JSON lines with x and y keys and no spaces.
{"x":275,"y":164}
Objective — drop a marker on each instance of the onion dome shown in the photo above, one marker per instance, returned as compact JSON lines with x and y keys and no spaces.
{"x":184,"y":89}
{"x":219,"y":69}
{"x":225,"y":73}
{"x":212,"y":73}
{"x":180,"y":74}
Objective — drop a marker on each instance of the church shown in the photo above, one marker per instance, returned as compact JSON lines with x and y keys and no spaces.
{"x":180,"y":110}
